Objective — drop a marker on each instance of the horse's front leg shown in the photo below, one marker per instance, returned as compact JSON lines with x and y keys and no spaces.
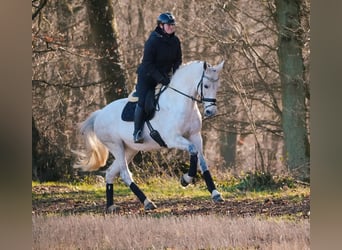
{"x":196,"y":153}
{"x":215,"y":195}
{"x":187,"y":178}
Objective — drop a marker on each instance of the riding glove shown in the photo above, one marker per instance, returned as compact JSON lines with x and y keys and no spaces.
{"x":165,"y":81}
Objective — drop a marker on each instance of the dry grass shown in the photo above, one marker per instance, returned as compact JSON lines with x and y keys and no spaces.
{"x":148,"y":232}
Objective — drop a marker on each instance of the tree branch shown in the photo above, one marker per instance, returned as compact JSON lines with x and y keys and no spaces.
{"x":38,"y":8}
{"x":36,"y":82}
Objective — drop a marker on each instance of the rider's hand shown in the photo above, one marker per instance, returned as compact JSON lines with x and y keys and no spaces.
{"x":165,"y":81}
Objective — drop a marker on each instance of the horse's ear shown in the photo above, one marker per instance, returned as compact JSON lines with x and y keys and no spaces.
{"x":219,"y":66}
{"x":205,"y":65}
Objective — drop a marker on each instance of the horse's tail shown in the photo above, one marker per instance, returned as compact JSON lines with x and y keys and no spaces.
{"x":95,"y":153}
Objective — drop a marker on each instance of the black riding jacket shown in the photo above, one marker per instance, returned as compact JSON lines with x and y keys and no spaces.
{"x":162,"y":54}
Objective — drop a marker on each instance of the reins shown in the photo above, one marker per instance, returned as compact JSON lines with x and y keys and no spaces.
{"x":200,"y":84}
{"x":180,"y":92}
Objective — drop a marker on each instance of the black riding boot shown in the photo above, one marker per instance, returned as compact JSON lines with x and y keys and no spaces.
{"x":139,"y":120}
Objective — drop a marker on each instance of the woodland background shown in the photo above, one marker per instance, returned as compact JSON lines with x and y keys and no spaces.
{"x":85,"y":54}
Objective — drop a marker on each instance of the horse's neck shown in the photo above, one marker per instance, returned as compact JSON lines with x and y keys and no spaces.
{"x":171,"y":99}
{"x":186,"y":83}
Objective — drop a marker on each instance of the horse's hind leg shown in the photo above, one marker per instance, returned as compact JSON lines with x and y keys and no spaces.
{"x":126,"y":176}
{"x":111,"y":173}
{"x":120,"y":166}
{"x":118,"y":151}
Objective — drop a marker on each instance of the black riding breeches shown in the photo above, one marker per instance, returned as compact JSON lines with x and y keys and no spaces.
{"x":143,"y":86}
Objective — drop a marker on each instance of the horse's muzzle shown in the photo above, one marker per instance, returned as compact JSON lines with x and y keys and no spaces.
{"x":210,"y":111}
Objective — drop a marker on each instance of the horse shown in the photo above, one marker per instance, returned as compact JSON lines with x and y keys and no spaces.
{"x":177,"y":119}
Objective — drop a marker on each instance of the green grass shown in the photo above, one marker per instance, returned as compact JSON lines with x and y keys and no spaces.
{"x":166,"y":188}
{"x":153,"y":188}
{"x":77,"y":191}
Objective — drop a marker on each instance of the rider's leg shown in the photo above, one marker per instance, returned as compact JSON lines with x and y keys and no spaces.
{"x":139,"y":114}
{"x":139,"y":120}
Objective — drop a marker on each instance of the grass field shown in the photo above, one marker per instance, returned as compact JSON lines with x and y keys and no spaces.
{"x":169,"y":232}
{"x":71,"y":216}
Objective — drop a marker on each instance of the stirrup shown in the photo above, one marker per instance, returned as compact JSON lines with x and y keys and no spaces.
{"x":138,"y":138}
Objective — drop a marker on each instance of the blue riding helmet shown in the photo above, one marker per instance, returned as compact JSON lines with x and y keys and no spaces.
{"x":167,"y":18}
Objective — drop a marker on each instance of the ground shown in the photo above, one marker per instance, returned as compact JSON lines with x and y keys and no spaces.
{"x":59,"y":199}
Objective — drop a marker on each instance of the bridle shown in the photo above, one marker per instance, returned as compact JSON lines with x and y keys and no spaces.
{"x":200,"y":85}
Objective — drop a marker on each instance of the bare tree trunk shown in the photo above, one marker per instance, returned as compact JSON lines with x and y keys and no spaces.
{"x":228,"y":148}
{"x":104,"y":36}
{"x":293,"y":92}
{"x":35,"y":155}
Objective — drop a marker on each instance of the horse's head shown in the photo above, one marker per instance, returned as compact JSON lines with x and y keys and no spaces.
{"x":208,"y":86}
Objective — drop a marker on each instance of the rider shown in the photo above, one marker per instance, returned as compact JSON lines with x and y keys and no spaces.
{"x":162,"y":57}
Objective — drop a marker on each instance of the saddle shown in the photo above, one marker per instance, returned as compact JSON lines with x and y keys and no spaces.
{"x":151,"y":105}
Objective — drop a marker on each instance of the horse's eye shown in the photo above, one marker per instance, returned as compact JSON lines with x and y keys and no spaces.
{"x":206,"y":86}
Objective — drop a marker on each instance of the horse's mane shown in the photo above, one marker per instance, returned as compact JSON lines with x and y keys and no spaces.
{"x":185,"y":66}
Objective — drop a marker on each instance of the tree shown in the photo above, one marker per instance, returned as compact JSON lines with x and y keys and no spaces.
{"x":102,"y":23}
{"x":75,"y":70}
{"x":288,"y":18}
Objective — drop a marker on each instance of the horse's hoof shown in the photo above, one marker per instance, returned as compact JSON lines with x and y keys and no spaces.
{"x":218,"y":198}
{"x":150,"y":206}
{"x":183,"y":181}
{"x":112,"y":209}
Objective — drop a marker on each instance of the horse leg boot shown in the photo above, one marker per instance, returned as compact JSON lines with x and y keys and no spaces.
{"x":187,"y":178}
{"x":109,"y":196}
{"x":127,"y":178}
{"x":148,"y":205}
{"x":215,"y":195}
{"x":139,"y":120}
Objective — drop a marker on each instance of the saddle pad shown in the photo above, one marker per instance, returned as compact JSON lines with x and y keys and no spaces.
{"x":127,"y":114}
{"x":132,"y":97}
